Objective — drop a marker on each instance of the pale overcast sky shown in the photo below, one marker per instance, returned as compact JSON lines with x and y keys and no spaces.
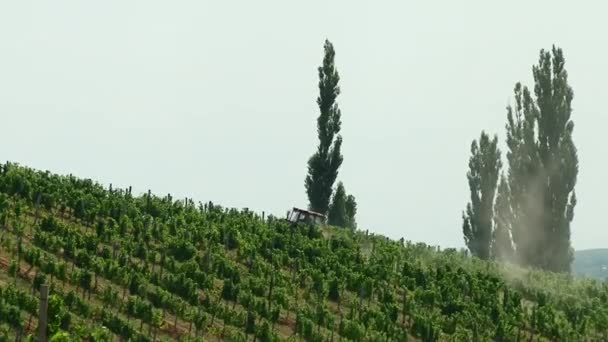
{"x":216,"y":100}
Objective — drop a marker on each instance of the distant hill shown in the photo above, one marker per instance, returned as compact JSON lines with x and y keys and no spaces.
{"x":591,"y":263}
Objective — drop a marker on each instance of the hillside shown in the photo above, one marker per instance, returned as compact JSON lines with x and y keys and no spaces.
{"x":156,"y":268}
{"x":591,"y":263}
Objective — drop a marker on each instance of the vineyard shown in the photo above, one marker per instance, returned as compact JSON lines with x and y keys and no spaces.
{"x":147,"y":268}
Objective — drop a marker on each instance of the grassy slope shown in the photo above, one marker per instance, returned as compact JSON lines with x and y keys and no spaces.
{"x":433,"y":282}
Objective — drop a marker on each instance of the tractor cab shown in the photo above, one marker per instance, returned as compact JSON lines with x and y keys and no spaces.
{"x":297,"y":215}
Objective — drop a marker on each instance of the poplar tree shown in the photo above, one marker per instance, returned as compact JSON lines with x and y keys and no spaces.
{"x":337,"y":210}
{"x":323,"y":165}
{"x":484,"y":166}
{"x":351,"y":211}
{"x":343,"y":209}
{"x":543,"y":165}
{"x":525,"y":189}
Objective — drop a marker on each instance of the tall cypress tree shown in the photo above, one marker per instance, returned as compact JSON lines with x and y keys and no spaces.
{"x":343,"y":209}
{"x":484,"y":166}
{"x":323,"y":165}
{"x":524,"y":172}
{"x":337,"y":215}
{"x":543,"y":166}
{"x":351,"y":211}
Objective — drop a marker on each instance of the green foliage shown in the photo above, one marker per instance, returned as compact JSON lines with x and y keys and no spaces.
{"x":61,"y":336}
{"x":39,"y":279}
{"x":335,"y":288}
{"x":59,"y":318}
{"x":351,"y":211}
{"x":318,"y":283}
{"x":181,"y":250}
{"x":343,"y":209}
{"x":484,"y":166}
{"x":323,"y":165}
{"x":543,"y":166}
{"x":229,"y":290}
{"x":337,"y":209}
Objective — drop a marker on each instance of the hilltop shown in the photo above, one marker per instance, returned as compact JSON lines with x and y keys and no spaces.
{"x":150,"y":267}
